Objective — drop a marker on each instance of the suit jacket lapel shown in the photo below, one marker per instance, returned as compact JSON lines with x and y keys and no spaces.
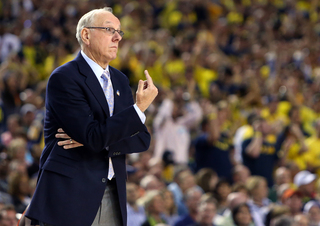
{"x":92,"y":83}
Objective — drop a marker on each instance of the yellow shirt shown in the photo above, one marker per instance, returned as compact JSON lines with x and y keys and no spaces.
{"x":204,"y":77}
{"x":313,"y":154}
{"x":299,"y":159}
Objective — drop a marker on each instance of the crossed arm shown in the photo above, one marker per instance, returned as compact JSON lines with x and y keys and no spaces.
{"x":145,"y":94}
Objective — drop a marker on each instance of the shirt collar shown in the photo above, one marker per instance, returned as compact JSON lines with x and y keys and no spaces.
{"x":96,"y":68}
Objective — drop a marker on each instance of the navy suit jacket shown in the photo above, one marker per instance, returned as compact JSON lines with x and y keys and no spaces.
{"x":71,"y":182}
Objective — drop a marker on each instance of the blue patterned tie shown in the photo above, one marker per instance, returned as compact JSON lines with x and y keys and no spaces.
{"x":108,"y":91}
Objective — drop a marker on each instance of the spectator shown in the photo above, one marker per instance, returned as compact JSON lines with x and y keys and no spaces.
{"x":276,"y":211}
{"x":19,"y":190}
{"x":28,"y":115}
{"x":258,"y":191}
{"x":282,"y":176}
{"x":154,"y":206}
{"x":242,"y":133}
{"x":305,"y":181}
{"x":260,"y":153}
{"x":312,"y":210}
{"x":185,"y":180}
{"x":312,"y":144}
{"x":17,"y":150}
{"x":136,"y":213}
{"x":212,"y":148}
{"x":170,"y":210}
{"x":221,"y":192}
{"x":192,"y":200}
{"x":172,"y":127}
{"x":135,"y":172}
{"x":207,"y":179}
{"x":13,"y":128}
{"x":293,"y":199}
{"x":151,"y":182}
{"x":240,"y":174}
{"x":32,"y":169}
{"x":241,"y":215}
{"x":8,"y":216}
{"x":234,"y":199}
{"x":283,"y":221}
{"x":301,"y":220}
{"x":240,"y":188}
{"x":206,"y":213}
{"x":4,"y":170}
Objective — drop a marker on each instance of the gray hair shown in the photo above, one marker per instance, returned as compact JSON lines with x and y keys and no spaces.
{"x":87,"y":19}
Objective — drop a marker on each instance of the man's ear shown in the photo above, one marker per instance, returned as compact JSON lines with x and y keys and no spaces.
{"x":85,"y":36}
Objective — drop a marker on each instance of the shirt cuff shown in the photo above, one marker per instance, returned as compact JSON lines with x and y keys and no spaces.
{"x":142,"y":116}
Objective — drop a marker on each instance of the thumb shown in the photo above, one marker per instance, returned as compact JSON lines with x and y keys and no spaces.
{"x":140,"y":86}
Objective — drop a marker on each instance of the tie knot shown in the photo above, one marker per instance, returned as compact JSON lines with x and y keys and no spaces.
{"x":105,"y":75}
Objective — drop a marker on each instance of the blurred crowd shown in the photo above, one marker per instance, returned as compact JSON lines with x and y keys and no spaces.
{"x":235,"y":127}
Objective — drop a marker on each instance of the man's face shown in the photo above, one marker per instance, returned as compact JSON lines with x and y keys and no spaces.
{"x":102,"y":45}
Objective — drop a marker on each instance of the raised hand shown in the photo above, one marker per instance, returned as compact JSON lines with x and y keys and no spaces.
{"x":69,"y":142}
{"x":146,"y":92}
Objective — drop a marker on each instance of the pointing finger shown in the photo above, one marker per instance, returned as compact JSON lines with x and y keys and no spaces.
{"x":149,"y":79}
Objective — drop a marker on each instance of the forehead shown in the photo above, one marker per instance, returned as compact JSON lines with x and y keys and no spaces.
{"x":106,"y":18}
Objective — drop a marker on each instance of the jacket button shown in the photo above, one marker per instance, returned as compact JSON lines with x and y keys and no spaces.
{"x":103,"y":180}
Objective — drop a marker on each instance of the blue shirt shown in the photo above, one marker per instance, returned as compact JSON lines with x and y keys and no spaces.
{"x":135,"y":218}
{"x":184,"y":220}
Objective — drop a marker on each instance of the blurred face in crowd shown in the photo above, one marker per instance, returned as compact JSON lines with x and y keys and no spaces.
{"x":224,"y":190}
{"x":314,"y":215}
{"x":157,"y":205}
{"x":243,"y":217}
{"x":241,"y":174}
{"x":193,"y":200}
{"x":301,"y":220}
{"x":168,"y":200}
{"x":8,"y":218}
{"x":12,"y":124}
{"x":261,"y":191}
{"x":308,"y":189}
{"x":187,"y":181}
{"x":132,"y":193}
{"x":294,"y":203}
{"x":98,"y":44}
{"x":206,"y":213}
{"x":283,"y":176}
{"x":265,"y":127}
{"x":153,"y":184}
{"x":236,"y":198}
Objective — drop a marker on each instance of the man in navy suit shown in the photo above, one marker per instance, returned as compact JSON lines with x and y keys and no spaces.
{"x":73,"y":186}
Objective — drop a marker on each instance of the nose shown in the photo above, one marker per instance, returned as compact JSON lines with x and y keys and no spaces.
{"x":117,"y":37}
